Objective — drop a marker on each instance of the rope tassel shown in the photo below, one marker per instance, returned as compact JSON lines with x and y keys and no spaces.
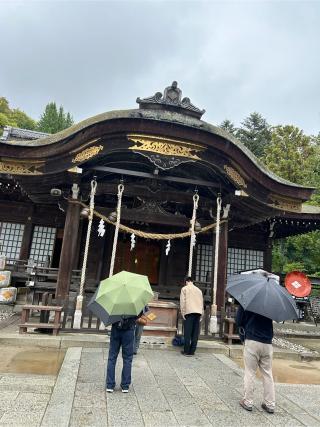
{"x":101,"y":228}
{"x":133,"y":241}
{"x":168,"y":247}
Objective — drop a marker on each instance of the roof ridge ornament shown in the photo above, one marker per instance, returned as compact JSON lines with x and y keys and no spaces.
{"x":171,"y":100}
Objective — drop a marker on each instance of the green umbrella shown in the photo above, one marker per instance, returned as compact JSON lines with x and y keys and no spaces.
{"x":124,"y":293}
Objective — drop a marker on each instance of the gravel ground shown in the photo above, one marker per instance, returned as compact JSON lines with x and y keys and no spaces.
{"x":282,"y":343}
{"x":5,"y":314}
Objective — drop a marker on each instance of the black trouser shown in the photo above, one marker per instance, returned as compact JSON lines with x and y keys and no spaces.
{"x":191,"y":332}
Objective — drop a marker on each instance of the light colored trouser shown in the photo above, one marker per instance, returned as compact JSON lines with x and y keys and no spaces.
{"x":257,"y":354}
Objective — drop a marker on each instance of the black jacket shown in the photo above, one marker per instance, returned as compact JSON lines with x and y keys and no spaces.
{"x":254,"y":327}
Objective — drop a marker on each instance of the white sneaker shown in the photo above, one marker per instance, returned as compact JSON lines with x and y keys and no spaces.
{"x":109,"y":390}
{"x":125,"y":390}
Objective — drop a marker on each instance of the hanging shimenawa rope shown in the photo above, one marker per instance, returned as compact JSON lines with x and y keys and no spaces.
{"x":86,"y":250}
{"x":153,"y":236}
{"x":116,"y":232}
{"x":216,"y":252}
{"x":193,"y":234}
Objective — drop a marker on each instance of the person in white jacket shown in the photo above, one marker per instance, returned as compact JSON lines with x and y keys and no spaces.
{"x":191,"y":307}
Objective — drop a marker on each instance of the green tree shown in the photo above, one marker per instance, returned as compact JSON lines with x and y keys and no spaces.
{"x":4,"y":105}
{"x":290,"y":154}
{"x":22,"y":120}
{"x":255,"y":133}
{"x":229,"y":126}
{"x":14,"y":117}
{"x":54,"y":120}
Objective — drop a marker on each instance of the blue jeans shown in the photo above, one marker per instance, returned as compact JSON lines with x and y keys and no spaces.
{"x":120,"y":338}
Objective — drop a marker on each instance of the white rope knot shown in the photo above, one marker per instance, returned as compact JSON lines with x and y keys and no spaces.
{"x":93,"y":186}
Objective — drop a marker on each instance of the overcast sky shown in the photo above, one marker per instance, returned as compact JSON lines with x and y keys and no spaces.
{"x":230,"y":57}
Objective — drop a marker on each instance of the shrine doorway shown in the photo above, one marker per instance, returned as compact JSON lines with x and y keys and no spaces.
{"x":144,"y":258}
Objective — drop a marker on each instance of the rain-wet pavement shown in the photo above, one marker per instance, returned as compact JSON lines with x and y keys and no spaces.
{"x":31,"y":360}
{"x":168,"y":389}
{"x":293,"y":371}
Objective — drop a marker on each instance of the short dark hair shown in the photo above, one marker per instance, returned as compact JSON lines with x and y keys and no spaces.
{"x":188,"y":279}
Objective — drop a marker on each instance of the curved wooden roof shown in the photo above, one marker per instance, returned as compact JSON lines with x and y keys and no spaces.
{"x":163,"y":139}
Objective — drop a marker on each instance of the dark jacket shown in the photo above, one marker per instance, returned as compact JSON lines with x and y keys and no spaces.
{"x":126,"y":323}
{"x":254,"y":327}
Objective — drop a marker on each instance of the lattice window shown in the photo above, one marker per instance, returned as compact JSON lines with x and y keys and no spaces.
{"x":203,"y":263}
{"x":11,"y":235}
{"x":244,"y":259}
{"x":238,"y":260}
{"x":42,"y":245}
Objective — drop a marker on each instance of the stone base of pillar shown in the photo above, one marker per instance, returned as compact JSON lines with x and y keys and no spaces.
{"x":78,"y":313}
{"x":213,"y":325}
{"x":102,"y":327}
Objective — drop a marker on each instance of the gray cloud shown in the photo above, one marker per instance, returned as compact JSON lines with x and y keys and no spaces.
{"x":230,"y":58}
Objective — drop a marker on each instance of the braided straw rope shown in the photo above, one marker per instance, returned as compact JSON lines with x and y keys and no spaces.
{"x":86,"y":250}
{"x":116,"y":232}
{"x":154,"y":236}
{"x":216,"y":252}
{"x":192,"y":235}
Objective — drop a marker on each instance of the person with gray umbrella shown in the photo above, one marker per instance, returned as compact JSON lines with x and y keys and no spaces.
{"x":261,"y":300}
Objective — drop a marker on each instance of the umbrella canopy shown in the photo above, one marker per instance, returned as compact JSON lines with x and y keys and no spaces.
{"x":124,"y":294}
{"x":263,"y":295}
{"x":101,"y":313}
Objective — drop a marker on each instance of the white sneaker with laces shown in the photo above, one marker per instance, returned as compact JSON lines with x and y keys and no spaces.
{"x":125,"y":390}
{"x":109,"y":390}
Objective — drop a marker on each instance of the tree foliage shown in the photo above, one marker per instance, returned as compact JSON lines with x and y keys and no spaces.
{"x":229,"y":126}
{"x":255,"y":133}
{"x":291,"y":154}
{"x":295,"y":156}
{"x":14,"y":117}
{"x":298,"y":253}
{"x":54,"y":120}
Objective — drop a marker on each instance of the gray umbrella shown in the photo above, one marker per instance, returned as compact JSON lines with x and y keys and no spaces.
{"x":101,"y":313}
{"x":263,"y":295}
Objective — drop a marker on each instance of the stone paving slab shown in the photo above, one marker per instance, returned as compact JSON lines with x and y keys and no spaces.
{"x":168,"y":390}
{"x":61,"y":401}
{"x":23,"y":399}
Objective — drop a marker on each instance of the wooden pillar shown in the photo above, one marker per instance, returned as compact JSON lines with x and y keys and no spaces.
{"x":267,"y":260}
{"x":222,"y":265}
{"x":27,"y":237}
{"x":68,"y":250}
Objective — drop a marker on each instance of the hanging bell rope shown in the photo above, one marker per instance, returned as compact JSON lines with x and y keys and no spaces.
{"x":153,"y":236}
{"x":116,"y":231}
{"x":193,"y":234}
{"x":216,"y":252}
{"x":78,"y":311}
{"x":86,"y":250}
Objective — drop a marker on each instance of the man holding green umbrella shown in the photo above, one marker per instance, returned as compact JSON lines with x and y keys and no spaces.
{"x":125,"y":294}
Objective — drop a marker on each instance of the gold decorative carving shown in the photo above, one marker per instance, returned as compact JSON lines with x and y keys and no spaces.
{"x":17,"y":168}
{"x":87,"y":153}
{"x":235,"y":176}
{"x":286,"y":204}
{"x":165,"y":146}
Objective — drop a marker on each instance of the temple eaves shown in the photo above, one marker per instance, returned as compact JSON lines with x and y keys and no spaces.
{"x":171,"y":100}
{"x":11,"y":133}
